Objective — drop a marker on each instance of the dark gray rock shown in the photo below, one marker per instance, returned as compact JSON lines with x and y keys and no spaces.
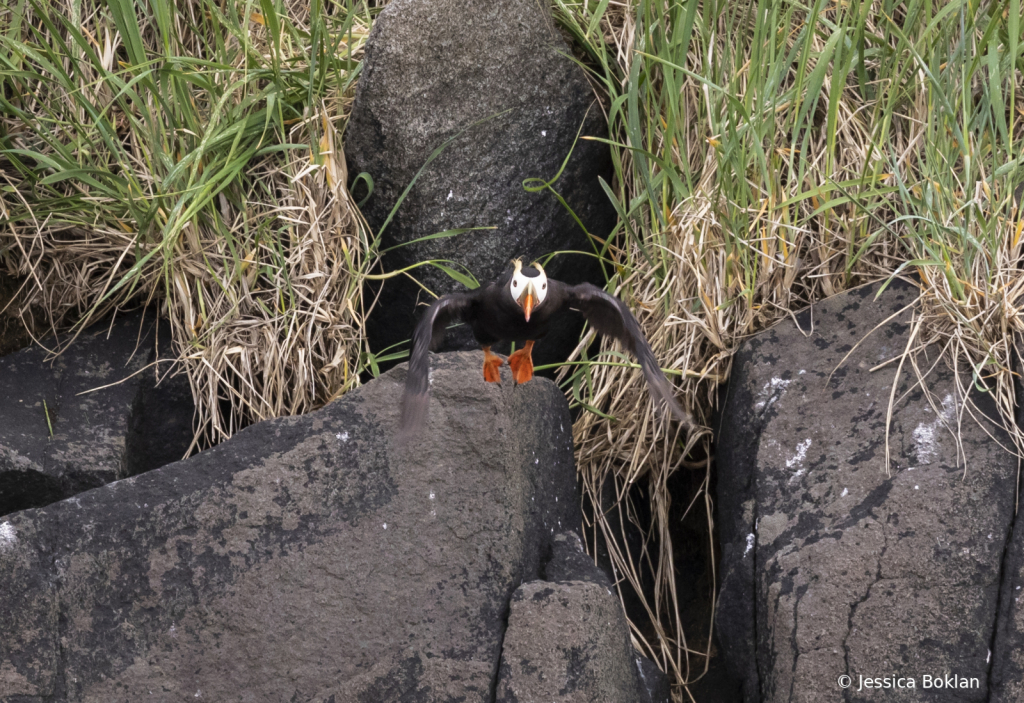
{"x":434,"y":68}
{"x":160,"y":424}
{"x":831,"y":565}
{"x":585,"y":661}
{"x":655,"y":686}
{"x":1007,"y":677}
{"x":29,"y":389}
{"x":307,"y":558}
{"x":87,"y":447}
{"x":570,"y":562}
{"x":567,"y":641}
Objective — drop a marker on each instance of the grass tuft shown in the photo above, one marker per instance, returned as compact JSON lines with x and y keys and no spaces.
{"x":769,"y":155}
{"x":190,"y":153}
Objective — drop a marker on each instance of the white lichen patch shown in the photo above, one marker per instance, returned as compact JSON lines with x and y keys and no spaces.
{"x":925,"y":436}
{"x":797,"y":459}
{"x":771,"y":392}
{"x":801,"y":453}
{"x":750,"y":544}
{"x":8,"y":536}
{"x":343,"y":436}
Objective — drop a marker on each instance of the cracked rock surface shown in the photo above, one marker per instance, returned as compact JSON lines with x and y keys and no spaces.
{"x":305,"y":559}
{"x":834,"y":563}
{"x":1007,"y":679}
{"x":568,"y":640}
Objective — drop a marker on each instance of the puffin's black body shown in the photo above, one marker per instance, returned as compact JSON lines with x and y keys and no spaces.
{"x":495,"y":315}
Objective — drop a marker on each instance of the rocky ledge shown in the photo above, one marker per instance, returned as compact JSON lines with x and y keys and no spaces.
{"x":312,"y":559}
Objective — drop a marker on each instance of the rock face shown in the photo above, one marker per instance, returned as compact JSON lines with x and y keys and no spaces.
{"x":1007,"y":678}
{"x":307,"y":558}
{"x":831,"y":565}
{"x":568,"y":641}
{"x":433,"y":68}
{"x":58,"y":440}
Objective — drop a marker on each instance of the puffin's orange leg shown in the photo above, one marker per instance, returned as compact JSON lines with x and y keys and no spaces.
{"x":491,"y":364}
{"x":521,"y":363}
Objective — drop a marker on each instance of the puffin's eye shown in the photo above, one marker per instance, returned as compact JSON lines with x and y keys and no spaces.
{"x":544,"y":286}
{"x":515,"y":284}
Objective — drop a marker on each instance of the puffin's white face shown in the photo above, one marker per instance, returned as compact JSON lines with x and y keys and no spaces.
{"x":520,"y":281}
{"x":528,"y":291}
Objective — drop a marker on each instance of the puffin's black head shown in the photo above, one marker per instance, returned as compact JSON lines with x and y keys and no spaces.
{"x":529,"y":286}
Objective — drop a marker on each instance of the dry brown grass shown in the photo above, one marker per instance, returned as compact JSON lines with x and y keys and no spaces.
{"x":208,"y":182}
{"x":775,"y":206}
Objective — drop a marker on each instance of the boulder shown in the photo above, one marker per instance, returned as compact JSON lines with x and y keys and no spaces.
{"x":833,"y":561}
{"x":499,"y":82}
{"x":29,"y":387}
{"x":307,"y":558}
{"x":66,"y":419}
{"x":1007,"y":677}
{"x":569,"y":561}
{"x":568,"y":640}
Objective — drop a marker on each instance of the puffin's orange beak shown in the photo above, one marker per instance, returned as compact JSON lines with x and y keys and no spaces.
{"x":528,"y":299}
{"x":528,"y":303}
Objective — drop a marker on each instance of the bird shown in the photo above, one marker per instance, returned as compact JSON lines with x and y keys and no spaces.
{"x":520,"y":304}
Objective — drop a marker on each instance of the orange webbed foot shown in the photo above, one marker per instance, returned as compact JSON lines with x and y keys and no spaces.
{"x":521,"y":363}
{"x":492,"y":363}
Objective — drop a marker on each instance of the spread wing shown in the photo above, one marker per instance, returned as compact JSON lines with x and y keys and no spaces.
{"x":610,"y":316}
{"x":429,"y":330}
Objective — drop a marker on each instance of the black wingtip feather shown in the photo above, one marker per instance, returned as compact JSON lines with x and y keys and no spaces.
{"x":611,"y":316}
{"x":431,"y":327}
{"x":414,"y":416}
{"x":664,"y":391}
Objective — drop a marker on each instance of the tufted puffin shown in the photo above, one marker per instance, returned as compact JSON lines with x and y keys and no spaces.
{"x":521,"y":305}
